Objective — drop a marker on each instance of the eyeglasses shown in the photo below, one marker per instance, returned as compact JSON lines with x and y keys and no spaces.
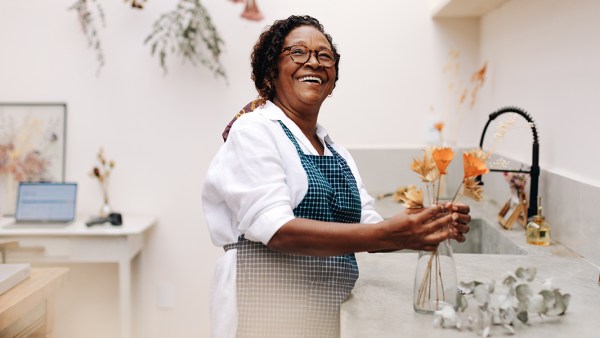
{"x":301,"y":54}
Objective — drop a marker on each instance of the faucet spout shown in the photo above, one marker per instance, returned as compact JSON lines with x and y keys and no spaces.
{"x":534,"y":171}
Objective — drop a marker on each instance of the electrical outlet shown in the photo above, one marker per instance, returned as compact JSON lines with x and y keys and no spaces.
{"x":165,"y":296}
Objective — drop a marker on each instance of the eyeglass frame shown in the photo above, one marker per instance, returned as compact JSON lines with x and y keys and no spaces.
{"x":310,"y":52}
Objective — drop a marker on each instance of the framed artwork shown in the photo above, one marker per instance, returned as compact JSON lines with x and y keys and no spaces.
{"x":32,"y":147}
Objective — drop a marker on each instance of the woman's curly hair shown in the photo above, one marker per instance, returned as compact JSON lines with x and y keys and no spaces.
{"x":267,"y":49}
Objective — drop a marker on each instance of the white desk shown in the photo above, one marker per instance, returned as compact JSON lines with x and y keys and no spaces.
{"x":77,"y":243}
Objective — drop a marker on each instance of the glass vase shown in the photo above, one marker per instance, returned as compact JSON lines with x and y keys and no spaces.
{"x":105,"y":210}
{"x":435,"y":280}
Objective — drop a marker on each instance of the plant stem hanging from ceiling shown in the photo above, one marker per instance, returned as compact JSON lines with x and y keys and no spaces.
{"x":188,"y":31}
{"x":88,"y":25}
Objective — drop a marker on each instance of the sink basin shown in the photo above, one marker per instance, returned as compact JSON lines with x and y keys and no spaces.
{"x":485,"y":239}
{"x":482,"y":238}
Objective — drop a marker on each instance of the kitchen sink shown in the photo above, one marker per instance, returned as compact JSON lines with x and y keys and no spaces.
{"x":485,"y":239}
{"x":482,"y":238}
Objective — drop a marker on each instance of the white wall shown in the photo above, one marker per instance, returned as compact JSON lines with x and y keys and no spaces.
{"x":544,"y":56}
{"x":163,"y":130}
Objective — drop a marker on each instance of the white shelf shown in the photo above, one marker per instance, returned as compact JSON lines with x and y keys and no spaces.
{"x":463,"y":8}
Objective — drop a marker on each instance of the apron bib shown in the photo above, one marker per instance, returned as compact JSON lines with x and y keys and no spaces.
{"x":296,"y":296}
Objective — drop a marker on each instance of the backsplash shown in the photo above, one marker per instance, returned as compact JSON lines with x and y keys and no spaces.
{"x":568,"y":204}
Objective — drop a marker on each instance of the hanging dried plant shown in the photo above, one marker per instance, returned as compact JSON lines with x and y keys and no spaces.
{"x":251,"y":11}
{"x":138,"y":4}
{"x":88,"y":17}
{"x":189,"y":32}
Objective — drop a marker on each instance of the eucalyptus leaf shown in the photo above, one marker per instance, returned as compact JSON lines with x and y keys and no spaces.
{"x":467,"y":288}
{"x":461,"y":302}
{"x":524,"y":292}
{"x":481,"y":293}
{"x":527,"y":274}
{"x":537,"y":304}
{"x":509,"y":280}
{"x":559,"y":303}
{"x":509,"y":328}
{"x":505,"y":304}
{"x":523,"y":316}
{"x":485,"y":332}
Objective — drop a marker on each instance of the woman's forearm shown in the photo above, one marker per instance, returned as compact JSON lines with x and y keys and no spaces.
{"x":315,"y":238}
{"x":417,"y":230}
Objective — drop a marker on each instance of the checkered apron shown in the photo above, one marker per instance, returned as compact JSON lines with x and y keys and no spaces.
{"x":283,"y":295}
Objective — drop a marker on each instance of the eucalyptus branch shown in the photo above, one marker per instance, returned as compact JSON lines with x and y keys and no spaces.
{"x":87,"y":19}
{"x":187,"y":31}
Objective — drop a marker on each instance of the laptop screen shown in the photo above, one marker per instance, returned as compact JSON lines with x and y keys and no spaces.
{"x":46,"y":202}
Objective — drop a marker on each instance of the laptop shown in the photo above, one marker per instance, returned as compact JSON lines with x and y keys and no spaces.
{"x":46,"y":202}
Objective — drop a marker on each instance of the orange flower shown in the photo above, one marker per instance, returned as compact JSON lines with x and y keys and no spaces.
{"x":439,"y":126}
{"x":473,"y":165}
{"x":481,"y":154}
{"x":442,"y":157}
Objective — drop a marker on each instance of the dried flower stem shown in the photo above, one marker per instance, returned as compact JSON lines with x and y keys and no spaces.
{"x":455,"y":198}
{"x":425,"y":288}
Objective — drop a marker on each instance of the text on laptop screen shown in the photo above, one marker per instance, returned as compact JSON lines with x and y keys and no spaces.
{"x":46,"y":202}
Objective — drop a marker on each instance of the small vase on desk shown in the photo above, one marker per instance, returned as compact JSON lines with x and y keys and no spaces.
{"x":435,"y":280}
{"x":105,"y":210}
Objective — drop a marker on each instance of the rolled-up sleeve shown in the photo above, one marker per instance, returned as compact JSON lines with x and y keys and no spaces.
{"x":254,"y":181}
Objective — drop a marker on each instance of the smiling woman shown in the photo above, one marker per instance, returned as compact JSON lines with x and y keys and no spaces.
{"x":288,"y":205}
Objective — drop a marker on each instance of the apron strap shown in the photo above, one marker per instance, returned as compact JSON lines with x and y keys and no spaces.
{"x":230,"y":246}
{"x":235,"y":245}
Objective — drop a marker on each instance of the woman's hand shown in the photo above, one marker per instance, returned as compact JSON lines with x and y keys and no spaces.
{"x":425,"y":228}
{"x":460,"y":220}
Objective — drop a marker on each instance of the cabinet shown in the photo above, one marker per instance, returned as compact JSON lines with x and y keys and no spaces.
{"x":26,"y":309}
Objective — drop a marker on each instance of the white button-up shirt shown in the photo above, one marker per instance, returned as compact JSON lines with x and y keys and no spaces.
{"x":252,"y":187}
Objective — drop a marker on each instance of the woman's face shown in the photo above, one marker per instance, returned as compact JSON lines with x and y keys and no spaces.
{"x":296,"y":86}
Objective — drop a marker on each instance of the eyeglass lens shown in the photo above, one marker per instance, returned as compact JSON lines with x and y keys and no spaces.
{"x":301,"y":54}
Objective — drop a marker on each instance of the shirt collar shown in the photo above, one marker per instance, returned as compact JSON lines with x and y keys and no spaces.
{"x":271,"y":111}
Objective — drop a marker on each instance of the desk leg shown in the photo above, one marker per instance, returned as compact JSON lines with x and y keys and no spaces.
{"x":125,"y":297}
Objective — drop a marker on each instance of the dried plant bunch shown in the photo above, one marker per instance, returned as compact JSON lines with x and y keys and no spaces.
{"x":459,"y":91}
{"x":189,"y":32}
{"x":102,"y":170}
{"x":436,"y":160}
{"x":504,"y":304}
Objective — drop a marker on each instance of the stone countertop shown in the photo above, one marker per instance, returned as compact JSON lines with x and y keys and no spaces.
{"x":381,"y":302}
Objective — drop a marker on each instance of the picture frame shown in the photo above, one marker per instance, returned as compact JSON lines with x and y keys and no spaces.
{"x":32,"y":147}
{"x":514,"y":210}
